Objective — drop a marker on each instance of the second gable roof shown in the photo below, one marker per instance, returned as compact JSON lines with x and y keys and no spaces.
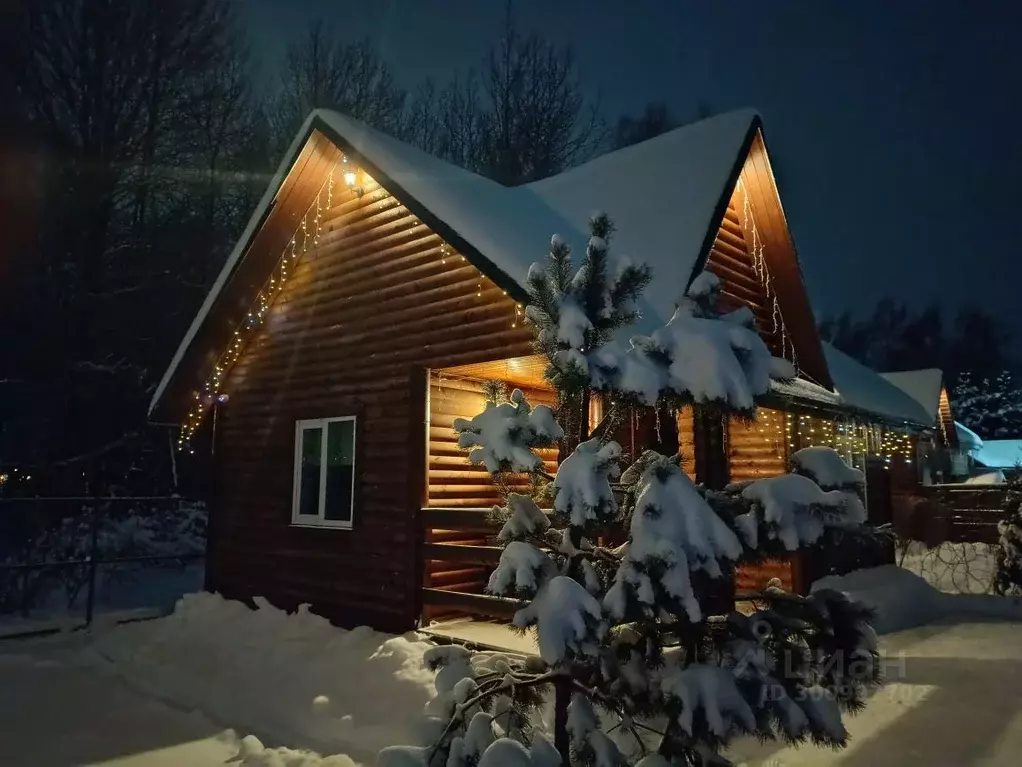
{"x":663,"y":195}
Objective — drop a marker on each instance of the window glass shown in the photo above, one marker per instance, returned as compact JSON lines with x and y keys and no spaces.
{"x":340,"y":463}
{"x":312,"y":448}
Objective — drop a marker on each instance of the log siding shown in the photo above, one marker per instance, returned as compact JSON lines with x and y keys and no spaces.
{"x":366,"y":311}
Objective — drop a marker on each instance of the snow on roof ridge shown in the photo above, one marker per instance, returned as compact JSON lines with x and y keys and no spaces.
{"x":745,"y":116}
{"x":967,"y":438}
{"x":923,"y":385}
{"x":663,"y":195}
{"x":863,"y":388}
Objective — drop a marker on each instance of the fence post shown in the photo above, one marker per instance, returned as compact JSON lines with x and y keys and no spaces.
{"x":90,"y":596}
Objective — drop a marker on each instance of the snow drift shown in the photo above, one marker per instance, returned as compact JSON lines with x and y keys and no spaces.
{"x":903,"y":600}
{"x":291,"y":678}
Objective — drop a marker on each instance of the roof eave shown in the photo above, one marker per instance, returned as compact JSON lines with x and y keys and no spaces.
{"x":755,"y":125}
{"x":317,"y":121}
{"x":255,"y":222}
{"x":445,"y":231}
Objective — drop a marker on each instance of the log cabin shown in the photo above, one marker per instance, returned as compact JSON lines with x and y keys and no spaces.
{"x":377,"y":289}
{"x":940,"y":456}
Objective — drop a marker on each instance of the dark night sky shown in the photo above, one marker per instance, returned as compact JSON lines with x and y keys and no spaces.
{"x":892,"y":125}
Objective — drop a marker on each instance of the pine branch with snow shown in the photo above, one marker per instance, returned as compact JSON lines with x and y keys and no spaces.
{"x":504,"y":436}
{"x":828,"y":469}
{"x":1008,"y":562}
{"x":699,"y":357}
{"x":673,"y":533}
{"x":795,"y":511}
{"x":576,"y":312}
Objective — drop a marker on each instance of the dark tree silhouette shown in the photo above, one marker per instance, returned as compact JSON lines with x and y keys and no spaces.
{"x":656,"y":119}
{"x":127,"y":104}
{"x":321,"y":72}
{"x":523,"y":117}
{"x":894,"y":337}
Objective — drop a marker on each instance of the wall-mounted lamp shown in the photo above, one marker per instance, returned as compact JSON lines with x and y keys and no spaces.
{"x":351,"y":179}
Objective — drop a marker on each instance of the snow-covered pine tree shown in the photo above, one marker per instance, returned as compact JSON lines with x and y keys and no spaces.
{"x":1008,"y":569}
{"x":578,"y":311}
{"x":635,"y":664}
{"x":990,"y":406}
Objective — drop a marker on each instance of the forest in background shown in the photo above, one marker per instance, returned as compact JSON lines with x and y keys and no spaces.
{"x":967,"y":343}
{"x":134,"y":143}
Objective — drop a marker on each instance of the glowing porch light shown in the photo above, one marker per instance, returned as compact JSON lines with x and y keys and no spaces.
{"x":350,"y":177}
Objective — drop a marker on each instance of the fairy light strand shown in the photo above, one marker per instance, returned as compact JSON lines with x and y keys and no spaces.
{"x":211,"y":390}
{"x":759,"y":266}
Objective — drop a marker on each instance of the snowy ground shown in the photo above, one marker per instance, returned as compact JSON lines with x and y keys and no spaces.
{"x":150,"y":591}
{"x":166,"y":692}
{"x":58,"y":712}
{"x":953,"y":699}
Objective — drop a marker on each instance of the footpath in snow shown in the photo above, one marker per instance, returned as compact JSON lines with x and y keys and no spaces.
{"x":183,"y":690}
{"x":57,"y":711}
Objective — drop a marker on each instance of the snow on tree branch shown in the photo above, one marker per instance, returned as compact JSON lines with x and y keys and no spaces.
{"x":1008,"y":570}
{"x":505,"y":435}
{"x":796,"y":511}
{"x":991,"y":407}
{"x":575,"y":312}
{"x":695,"y":358}
{"x":523,"y":518}
{"x":521,"y":571}
{"x":673,"y":531}
{"x":709,"y":698}
{"x":827,"y":468}
{"x":699,"y":356}
{"x":568,"y":620}
{"x":582,"y":492}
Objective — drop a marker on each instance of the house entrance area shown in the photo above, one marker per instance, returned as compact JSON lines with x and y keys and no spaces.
{"x":456,"y":523}
{"x":458,"y":527}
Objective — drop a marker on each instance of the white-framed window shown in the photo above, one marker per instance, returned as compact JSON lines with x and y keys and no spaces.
{"x":324,"y":480}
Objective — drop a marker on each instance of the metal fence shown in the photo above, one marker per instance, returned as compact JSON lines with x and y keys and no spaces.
{"x":58,"y":549}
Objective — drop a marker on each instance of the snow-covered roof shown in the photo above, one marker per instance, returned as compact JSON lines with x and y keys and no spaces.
{"x":991,"y":478}
{"x":999,"y":453}
{"x":864,"y":389}
{"x":508,"y":226}
{"x":663,"y":195}
{"x":967,"y":438}
{"x":922,"y":385}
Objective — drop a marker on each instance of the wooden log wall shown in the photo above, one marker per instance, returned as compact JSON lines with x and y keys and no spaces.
{"x":453,"y":481}
{"x":454,"y":484}
{"x":904,"y":480}
{"x":757,"y":449}
{"x":756,"y":577}
{"x":731,"y":260}
{"x":365,"y":312}
{"x":687,"y":441}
